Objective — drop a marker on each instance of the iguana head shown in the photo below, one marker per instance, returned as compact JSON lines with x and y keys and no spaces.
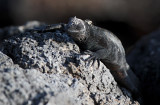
{"x":78,"y":29}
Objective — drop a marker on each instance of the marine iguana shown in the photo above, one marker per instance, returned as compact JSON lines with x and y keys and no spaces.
{"x":101,"y":44}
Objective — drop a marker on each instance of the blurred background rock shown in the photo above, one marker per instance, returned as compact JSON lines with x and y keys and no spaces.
{"x":128,"y":19}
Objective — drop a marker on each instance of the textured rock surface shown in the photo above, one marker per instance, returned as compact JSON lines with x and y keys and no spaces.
{"x":145,"y":59}
{"x":49,"y":69}
{"x":31,"y":87}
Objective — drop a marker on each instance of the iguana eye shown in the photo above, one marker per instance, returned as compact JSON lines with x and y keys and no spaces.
{"x":79,"y":27}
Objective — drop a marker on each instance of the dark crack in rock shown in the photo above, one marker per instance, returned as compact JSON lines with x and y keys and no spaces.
{"x":48,"y":68}
{"x":145,"y":59}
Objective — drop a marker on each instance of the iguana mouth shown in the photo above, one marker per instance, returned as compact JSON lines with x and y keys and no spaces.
{"x":70,"y":30}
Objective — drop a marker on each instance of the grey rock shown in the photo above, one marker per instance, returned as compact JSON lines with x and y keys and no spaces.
{"x":144,"y":59}
{"x":42,"y":51}
{"x":101,"y":84}
{"x":48,"y":68}
{"x":31,"y":87}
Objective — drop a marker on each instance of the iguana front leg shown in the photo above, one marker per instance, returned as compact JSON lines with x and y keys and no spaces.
{"x":99,"y":54}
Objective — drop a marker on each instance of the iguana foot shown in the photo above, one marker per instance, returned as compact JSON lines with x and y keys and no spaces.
{"x":92,"y":57}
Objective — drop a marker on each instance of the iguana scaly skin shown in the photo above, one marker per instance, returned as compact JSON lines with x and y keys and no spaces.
{"x":104,"y":45}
